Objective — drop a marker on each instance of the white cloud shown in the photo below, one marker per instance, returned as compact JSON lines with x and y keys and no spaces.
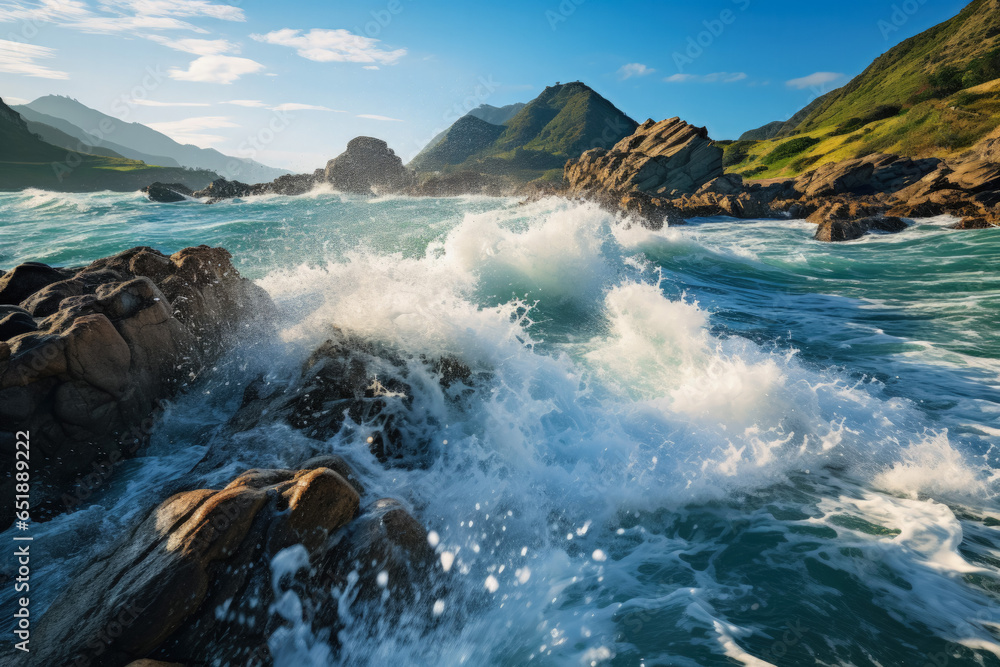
{"x":216,"y":69}
{"x":56,"y":11}
{"x":18,"y":58}
{"x":192,"y":130}
{"x":120,"y":16}
{"x":815,"y":80}
{"x":256,"y":104}
{"x":10,"y":100}
{"x":634,"y":69}
{"x":186,"y":8}
{"x":332,"y":46}
{"x":151,"y":103}
{"x":371,"y":116}
{"x":715,"y":77}
{"x":372,"y":67}
{"x":199,"y":47}
{"x":294,"y":106}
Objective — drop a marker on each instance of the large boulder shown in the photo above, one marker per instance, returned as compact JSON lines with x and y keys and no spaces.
{"x":368,"y":165}
{"x":202,"y":578}
{"x":660,"y":158}
{"x":86,"y":361}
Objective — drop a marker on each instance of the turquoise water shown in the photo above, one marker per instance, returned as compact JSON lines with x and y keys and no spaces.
{"x":723,"y":443}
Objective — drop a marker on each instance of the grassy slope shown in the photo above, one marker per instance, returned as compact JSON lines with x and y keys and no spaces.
{"x":932,"y":127}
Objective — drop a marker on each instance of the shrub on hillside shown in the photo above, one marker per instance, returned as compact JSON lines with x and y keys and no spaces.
{"x":790,"y":149}
{"x":736,"y":152}
{"x":879,"y":113}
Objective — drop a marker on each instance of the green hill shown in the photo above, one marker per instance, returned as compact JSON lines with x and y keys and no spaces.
{"x":467,"y":137}
{"x":561,"y":123}
{"x":28,"y":162}
{"x":935,"y":94}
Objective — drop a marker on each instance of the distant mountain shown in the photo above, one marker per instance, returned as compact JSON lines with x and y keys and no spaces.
{"x":561,"y":123}
{"x":143,"y":140}
{"x":485,"y":112}
{"x":932,"y":95}
{"x":69,"y":129}
{"x":51,"y":135}
{"x":26,"y":161}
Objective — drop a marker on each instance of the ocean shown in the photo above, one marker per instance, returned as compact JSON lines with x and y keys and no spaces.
{"x":716,"y":444}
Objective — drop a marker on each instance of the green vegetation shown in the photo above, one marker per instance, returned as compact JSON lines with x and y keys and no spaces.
{"x":560,"y":124}
{"x":29,"y":162}
{"x":736,"y":152}
{"x":880,"y":113}
{"x":935,"y":94}
{"x":789,"y":149}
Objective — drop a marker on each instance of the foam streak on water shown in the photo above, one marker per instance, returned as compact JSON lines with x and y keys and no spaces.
{"x":716,"y":444}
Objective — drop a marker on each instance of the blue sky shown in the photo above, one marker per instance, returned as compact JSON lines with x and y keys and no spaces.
{"x":289,"y":83}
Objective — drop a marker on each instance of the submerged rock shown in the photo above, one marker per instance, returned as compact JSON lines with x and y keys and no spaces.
{"x":192,"y":583}
{"x":87,"y":360}
{"x":356,"y":384}
{"x":848,"y":230}
{"x":167,"y":193}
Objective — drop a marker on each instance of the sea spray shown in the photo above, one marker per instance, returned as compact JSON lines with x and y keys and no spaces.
{"x":691,"y":446}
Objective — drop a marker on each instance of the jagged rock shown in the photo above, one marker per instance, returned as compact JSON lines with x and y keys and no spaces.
{"x":728,"y":184}
{"x":368,"y":165}
{"x":975,"y":223}
{"x":293,"y":184}
{"x":169,"y":583}
{"x":658,"y":158}
{"x":167,"y":193}
{"x":848,"y":230}
{"x":88,"y":369}
{"x":864,"y":176}
{"x":842,"y":209}
{"x":220,"y":188}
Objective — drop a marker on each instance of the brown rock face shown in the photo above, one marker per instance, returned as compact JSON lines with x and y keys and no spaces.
{"x":368,"y":165}
{"x":864,"y":176}
{"x":165,"y":582}
{"x":659,"y":158}
{"x":88,"y":358}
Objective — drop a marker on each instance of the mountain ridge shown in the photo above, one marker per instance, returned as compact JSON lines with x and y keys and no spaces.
{"x":143,"y":140}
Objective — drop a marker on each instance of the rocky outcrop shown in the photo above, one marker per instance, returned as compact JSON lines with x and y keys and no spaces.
{"x":869,"y":175}
{"x":88,"y":355}
{"x":668,"y":157}
{"x":871,"y":193}
{"x":194,"y":583}
{"x":368,"y":165}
